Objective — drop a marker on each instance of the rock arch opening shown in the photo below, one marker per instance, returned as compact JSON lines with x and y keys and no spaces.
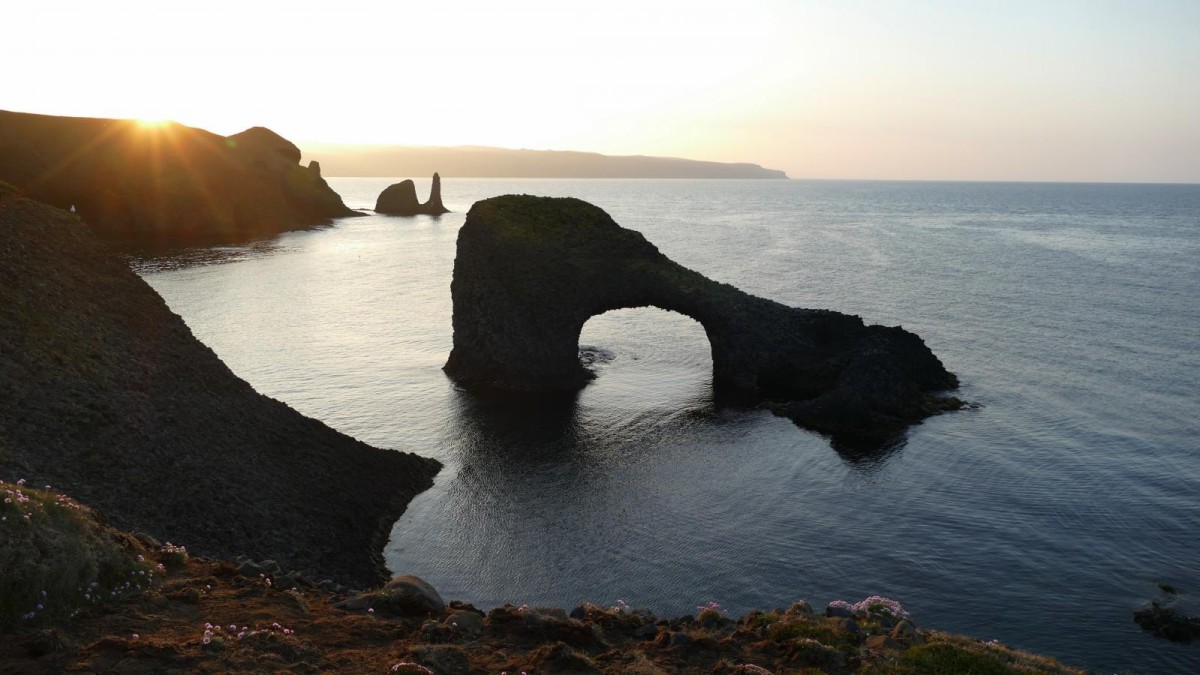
{"x":640,"y":354}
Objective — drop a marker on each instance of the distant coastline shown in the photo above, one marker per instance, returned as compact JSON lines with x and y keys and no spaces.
{"x":488,"y":162}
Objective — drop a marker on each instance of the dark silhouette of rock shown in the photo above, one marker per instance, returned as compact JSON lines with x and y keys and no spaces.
{"x":400,"y":199}
{"x":434,"y":205}
{"x":105,"y":393}
{"x":164,"y":184}
{"x":530,"y":271}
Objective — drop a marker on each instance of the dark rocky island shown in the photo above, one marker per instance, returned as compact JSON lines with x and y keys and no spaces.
{"x":164,"y":184}
{"x":104,"y":392}
{"x":530,"y":271}
{"x":400,"y":199}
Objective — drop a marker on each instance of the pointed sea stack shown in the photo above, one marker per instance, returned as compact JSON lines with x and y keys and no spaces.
{"x":400,"y":199}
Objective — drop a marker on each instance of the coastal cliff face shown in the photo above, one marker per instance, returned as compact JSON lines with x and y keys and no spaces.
{"x":164,"y":183}
{"x":531,"y":271}
{"x":105,"y":392}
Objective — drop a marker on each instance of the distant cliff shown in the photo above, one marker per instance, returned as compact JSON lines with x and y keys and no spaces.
{"x":164,"y":183}
{"x":465,"y":161}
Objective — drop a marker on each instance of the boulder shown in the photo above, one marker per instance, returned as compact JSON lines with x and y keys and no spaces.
{"x":410,"y":595}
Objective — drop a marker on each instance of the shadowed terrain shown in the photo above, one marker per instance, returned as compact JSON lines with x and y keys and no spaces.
{"x":105,"y":392}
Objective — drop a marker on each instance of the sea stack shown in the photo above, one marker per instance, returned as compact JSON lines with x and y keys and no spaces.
{"x":530,"y":272}
{"x":400,"y":199}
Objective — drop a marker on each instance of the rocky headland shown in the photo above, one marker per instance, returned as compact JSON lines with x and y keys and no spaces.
{"x":530,"y":272}
{"x":105,"y":393}
{"x":100,"y":600}
{"x":400,"y":199}
{"x":164,"y":184}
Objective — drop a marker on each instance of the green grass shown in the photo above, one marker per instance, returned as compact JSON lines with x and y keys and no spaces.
{"x":58,"y":559}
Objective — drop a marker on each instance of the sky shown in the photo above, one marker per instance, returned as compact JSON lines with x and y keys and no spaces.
{"x":1086,"y":90}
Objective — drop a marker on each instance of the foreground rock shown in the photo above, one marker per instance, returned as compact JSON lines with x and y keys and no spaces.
{"x":530,"y":271}
{"x":400,"y":199}
{"x":200,"y":615}
{"x":164,"y":184}
{"x":104,"y":392}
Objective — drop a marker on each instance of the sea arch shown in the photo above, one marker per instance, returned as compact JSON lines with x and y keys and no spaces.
{"x":531,"y":271}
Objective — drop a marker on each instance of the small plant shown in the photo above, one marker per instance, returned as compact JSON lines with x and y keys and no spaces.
{"x":710,"y":611}
{"x":881,"y":606}
{"x":214,"y":633}
{"x":173,"y":556}
{"x":58,"y":559}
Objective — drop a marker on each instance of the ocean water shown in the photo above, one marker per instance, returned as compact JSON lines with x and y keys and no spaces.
{"x":1042,"y":518}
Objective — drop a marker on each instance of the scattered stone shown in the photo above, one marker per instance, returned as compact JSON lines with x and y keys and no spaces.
{"x":465,"y":621}
{"x":841,"y":612}
{"x":646,"y":632}
{"x":848,"y":625}
{"x":905,"y":631}
{"x":409,"y":595}
{"x":879,"y":642}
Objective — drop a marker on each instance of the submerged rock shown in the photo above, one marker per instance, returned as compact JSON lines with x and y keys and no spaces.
{"x":1168,"y":623}
{"x":530,"y":271}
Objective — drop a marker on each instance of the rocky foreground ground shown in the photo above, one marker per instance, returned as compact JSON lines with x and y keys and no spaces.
{"x":78,"y":595}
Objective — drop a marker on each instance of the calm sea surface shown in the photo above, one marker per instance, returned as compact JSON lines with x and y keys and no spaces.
{"x":1071,"y":313}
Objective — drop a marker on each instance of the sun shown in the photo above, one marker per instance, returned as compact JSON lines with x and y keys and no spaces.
{"x":151,"y":122}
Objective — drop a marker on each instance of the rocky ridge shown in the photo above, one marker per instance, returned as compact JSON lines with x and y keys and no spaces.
{"x":164,"y":184}
{"x":106,"y":393}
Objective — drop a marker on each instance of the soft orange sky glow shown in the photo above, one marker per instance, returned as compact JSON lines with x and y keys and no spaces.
{"x":1063,"y":90}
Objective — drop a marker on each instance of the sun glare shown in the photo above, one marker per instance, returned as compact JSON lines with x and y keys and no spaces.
{"x":152,"y":121}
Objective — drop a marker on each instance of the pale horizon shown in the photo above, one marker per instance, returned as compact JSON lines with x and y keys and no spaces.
{"x":1022,"y":91}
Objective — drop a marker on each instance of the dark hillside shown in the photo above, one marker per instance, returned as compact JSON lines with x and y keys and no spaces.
{"x":167,"y":183}
{"x":105,"y":393}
